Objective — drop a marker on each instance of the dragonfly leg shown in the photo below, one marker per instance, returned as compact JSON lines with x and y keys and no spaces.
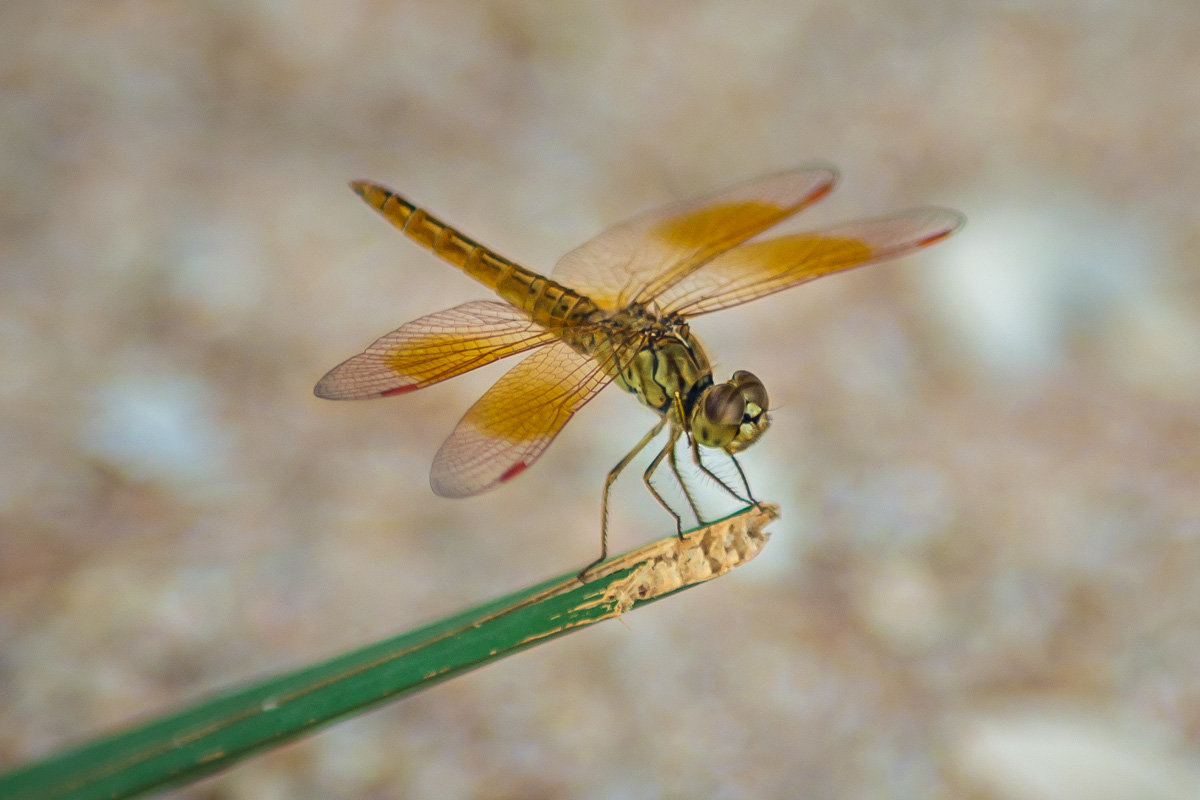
{"x":608,"y":482}
{"x":749,"y":498}
{"x":668,"y":450}
{"x":687,"y":490}
{"x":741,"y":474}
{"x":681,"y":414}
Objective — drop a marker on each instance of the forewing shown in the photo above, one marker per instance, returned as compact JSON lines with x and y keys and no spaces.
{"x":636,"y":260}
{"x":515,"y":420}
{"x":763,"y":267}
{"x":434,"y":348}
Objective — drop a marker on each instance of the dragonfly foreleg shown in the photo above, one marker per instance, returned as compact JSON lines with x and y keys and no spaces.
{"x":741,"y":474}
{"x":749,"y":498}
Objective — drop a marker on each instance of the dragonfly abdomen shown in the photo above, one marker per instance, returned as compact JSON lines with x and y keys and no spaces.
{"x":546,"y":302}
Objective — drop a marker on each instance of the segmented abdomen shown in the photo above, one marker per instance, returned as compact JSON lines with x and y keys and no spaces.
{"x":546,"y":302}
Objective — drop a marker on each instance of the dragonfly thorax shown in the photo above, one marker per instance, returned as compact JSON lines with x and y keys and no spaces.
{"x":668,"y":363}
{"x":671,"y":373}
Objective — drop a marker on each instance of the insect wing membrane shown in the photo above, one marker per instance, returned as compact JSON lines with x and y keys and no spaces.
{"x":760,"y":268}
{"x":639,"y":258}
{"x":433,"y":348}
{"x":516,"y":419}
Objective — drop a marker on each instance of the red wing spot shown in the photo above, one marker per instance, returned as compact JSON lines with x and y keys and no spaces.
{"x":935,"y":238}
{"x":412,"y":387}
{"x":513,"y":471}
{"x":818,"y":193}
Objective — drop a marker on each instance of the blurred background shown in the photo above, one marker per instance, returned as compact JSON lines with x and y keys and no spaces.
{"x":986,"y":579}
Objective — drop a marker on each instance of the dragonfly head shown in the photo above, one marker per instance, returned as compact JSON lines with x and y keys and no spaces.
{"x":731,"y":415}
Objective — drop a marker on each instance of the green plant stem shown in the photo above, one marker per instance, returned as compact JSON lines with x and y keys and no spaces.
{"x":217,"y":732}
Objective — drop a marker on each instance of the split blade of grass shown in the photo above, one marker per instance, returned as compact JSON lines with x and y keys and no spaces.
{"x":220,"y":731}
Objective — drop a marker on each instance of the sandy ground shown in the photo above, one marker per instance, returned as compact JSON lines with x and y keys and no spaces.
{"x":986,"y":583}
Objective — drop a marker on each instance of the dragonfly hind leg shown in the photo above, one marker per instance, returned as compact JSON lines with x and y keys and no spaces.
{"x":687,"y":490}
{"x":669,"y":449}
{"x":608,"y":482}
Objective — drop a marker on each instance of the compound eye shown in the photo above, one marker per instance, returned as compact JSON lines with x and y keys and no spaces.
{"x":751,"y":388}
{"x":724,"y":405}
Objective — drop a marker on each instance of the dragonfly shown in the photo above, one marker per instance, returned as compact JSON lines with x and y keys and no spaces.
{"x":616,"y":310}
